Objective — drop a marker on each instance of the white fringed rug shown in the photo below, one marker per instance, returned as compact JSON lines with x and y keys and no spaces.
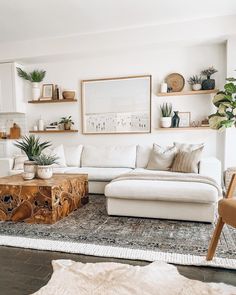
{"x":90,"y":231}
{"x":157,"y":278}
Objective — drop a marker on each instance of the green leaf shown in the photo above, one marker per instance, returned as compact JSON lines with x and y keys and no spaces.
{"x":215,"y":121}
{"x":230,"y":88}
{"x":220,"y":98}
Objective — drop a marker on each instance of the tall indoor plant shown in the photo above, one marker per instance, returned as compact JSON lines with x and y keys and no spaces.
{"x":32,"y":147}
{"x":225,"y":102}
{"x":35,"y":77}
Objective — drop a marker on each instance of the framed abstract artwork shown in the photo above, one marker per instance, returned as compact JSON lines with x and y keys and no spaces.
{"x":116,"y":105}
{"x":185,"y":119}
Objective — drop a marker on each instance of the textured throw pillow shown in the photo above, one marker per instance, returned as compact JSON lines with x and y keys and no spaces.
{"x":187,"y":147}
{"x":19,"y":162}
{"x":73,"y":155}
{"x":59,"y":153}
{"x":161,"y":158}
{"x":187,"y":161}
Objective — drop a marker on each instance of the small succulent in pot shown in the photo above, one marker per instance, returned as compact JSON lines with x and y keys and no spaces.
{"x":67,"y":122}
{"x":166,"y":112}
{"x":208,"y":84}
{"x":196,"y":82}
{"x":44,"y":165}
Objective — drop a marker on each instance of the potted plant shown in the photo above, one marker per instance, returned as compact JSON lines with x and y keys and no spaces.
{"x":66,"y":122}
{"x":32,"y":147}
{"x":35,"y":77}
{"x":166,"y":112}
{"x":225,"y":102}
{"x":44,"y":165}
{"x":196,"y":82}
{"x":208,"y":83}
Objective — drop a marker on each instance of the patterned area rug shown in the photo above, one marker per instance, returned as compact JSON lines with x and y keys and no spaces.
{"x":90,"y":231}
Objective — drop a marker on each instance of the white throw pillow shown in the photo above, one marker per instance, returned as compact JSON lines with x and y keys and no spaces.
{"x":73,"y":155}
{"x":59,"y":153}
{"x":19,"y":162}
{"x":161,"y":158}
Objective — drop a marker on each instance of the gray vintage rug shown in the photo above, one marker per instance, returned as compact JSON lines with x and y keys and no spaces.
{"x":90,"y":231}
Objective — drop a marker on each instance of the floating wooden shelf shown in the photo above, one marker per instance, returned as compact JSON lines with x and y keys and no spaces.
{"x":52,"y":101}
{"x":183,"y":129}
{"x":54,"y":131}
{"x":197,"y":92}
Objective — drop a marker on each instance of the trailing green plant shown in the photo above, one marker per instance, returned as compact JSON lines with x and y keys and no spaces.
{"x":225,"y":102}
{"x":32,"y":146}
{"x":45,"y":160}
{"x":66,"y":120}
{"x":195,"y":79}
{"x":166,"y":109}
{"x":34,"y":76}
{"x":208,"y":72}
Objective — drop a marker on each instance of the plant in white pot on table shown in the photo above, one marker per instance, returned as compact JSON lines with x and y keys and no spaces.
{"x":32,"y":147}
{"x":196,"y":82}
{"x":35,"y":77}
{"x":45,"y":165}
{"x":166,"y":112}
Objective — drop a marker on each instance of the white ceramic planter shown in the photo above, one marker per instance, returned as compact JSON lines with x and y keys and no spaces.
{"x":35,"y":91}
{"x":196,"y":87}
{"x":28,"y":175}
{"x":44,"y":172}
{"x":166,"y":122}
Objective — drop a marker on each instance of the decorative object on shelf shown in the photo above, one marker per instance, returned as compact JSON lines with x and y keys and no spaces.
{"x":205,"y":123}
{"x":44,"y":165}
{"x":116,"y":105}
{"x":164,"y":87}
{"x":196,"y":124}
{"x":175,"y":120}
{"x":184,"y":119}
{"x":166,"y":112}
{"x":67,"y":122}
{"x":41,"y":124}
{"x":32,"y":147}
{"x":15,"y":132}
{"x":47,"y":92}
{"x":196,"y":82}
{"x":208,"y":83}
{"x":68,"y":94}
{"x":35,"y":78}
{"x":225,"y":101}
{"x":176,"y":82}
{"x":52,"y":126}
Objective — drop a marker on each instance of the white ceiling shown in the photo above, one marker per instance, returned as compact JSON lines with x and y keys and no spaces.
{"x":31,"y":19}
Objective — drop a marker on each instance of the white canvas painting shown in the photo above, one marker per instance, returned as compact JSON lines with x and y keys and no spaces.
{"x":116,"y":105}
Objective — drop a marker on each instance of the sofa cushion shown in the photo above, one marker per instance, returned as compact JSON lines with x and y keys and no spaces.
{"x":73,"y":155}
{"x":59,"y":153}
{"x":172,"y":191}
{"x":143,"y":155}
{"x":109,"y":156}
{"x":187,"y":146}
{"x":100,"y":174}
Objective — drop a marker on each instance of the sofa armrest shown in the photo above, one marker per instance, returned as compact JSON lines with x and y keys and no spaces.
{"x":211,"y":167}
{"x":6,"y":164}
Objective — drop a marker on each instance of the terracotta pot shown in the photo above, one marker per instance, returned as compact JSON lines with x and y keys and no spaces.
{"x":44,"y":172}
{"x":67,"y":126}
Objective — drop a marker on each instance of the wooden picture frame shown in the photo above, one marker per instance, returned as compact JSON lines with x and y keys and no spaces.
{"x":116,"y":105}
{"x":185,"y":119}
{"x":47,"y":92}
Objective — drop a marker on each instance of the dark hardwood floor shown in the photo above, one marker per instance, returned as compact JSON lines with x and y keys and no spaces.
{"x":24,"y":271}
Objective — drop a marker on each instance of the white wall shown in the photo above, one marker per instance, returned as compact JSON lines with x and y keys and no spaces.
{"x":154,"y":61}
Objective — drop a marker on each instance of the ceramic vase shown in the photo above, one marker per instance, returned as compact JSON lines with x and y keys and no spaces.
{"x":30,"y":169}
{"x":166,"y":122}
{"x":208,"y":84}
{"x":44,"y":172}
{"x":35,"y":91}
{"x":197,"y":87}
{"x":175,"y":120}
{"x":67,"y":126}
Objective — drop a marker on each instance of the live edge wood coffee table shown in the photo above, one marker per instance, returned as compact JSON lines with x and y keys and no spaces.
{"x":42,"y":201}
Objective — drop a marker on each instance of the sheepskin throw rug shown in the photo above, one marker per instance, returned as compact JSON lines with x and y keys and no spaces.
{"x":157,"y":278}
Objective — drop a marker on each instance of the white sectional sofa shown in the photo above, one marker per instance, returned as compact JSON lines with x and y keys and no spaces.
{"x":145,"y":198}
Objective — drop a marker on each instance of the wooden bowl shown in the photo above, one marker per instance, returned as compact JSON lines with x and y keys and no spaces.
{"x":68,"y":95}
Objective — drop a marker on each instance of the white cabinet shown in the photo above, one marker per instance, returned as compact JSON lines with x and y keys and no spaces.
{"x":11,"y":90}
